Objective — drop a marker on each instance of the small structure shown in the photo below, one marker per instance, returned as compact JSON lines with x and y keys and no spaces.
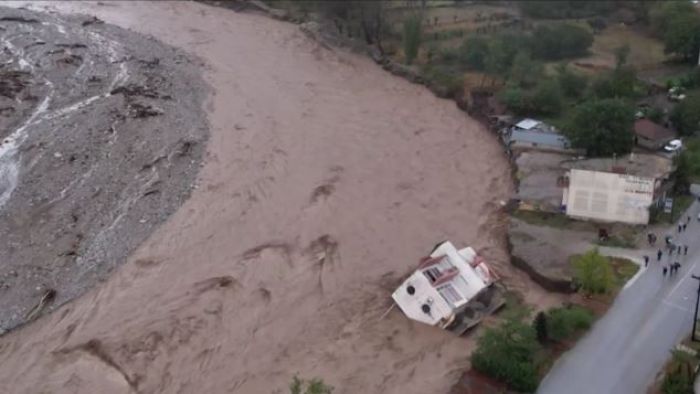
{"x":651,"y":135}
{"x":616,"y":190}
{"x":450,"y":289}
{"x":534,"y":134}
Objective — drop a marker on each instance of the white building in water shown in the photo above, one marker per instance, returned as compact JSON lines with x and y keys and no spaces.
{"x":443,"y":285}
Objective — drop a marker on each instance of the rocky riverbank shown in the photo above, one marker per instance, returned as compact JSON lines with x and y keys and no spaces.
{"x":101,"y":142}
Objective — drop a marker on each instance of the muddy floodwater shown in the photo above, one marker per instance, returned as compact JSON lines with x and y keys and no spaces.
{"x":325,"y":179}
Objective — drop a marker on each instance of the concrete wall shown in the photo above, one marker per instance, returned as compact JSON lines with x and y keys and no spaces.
{"x":609,"y":197}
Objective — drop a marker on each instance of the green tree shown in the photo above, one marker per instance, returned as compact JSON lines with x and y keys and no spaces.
{"x":313,"y":386}
{"x":686,"y":115}
{"x":540,"y":325}
{"x":412,"y":35}
{"x":506,"y":353}
{"x":514,"y":98}
{"x":678,"y":24}
{"x":525,"y":71}
{"x":572,"y":84}
{"x":473,"y":52}
{"x":566,"y":321}
{"x":602,"y":127}
{"x":547,"y":98}
{"x":500,"y":56}
{"x":593,"y":272}
{"x":619,"y":83}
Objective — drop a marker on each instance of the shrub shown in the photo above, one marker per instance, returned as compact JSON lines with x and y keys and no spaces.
{"x":540,"y":325}
{"x":620,"y":83}
{"x":412,"y":34}
{"x":572,"y":84}
{"x":547,"y":98}
{"x":313,"y":386}
{"x":473,"y":52}
{"x":444,"y":81}
{"x":506,"y":353}
{"x":514,"y":98}
{"x":525,"y":71}
{"x":593,"y":272}
{"x":564,"y":322}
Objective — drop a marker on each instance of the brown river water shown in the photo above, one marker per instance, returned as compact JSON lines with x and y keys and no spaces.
{"x":325,"y":180}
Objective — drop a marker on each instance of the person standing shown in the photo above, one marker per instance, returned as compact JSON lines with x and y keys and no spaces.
{"x":680,"y":228}
{"x":684,"y":226}
{"x":646,"y":261}
{"x":679,"y":250}
{"x":658,"y":255}
{"x":664,"y":271}
{"x":685,"y":250}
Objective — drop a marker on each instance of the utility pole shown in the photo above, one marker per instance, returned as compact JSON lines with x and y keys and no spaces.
{"x":697,"y":300}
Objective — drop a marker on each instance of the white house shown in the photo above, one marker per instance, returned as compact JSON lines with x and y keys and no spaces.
{"x":443,"y":284}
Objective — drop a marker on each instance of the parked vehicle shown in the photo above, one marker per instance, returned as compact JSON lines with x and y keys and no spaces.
{"x":673,"y":146}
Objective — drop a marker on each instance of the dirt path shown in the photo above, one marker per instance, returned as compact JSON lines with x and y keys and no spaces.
{"x":325,"y":180}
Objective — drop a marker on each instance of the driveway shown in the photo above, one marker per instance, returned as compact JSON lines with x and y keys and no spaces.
{"x":629,"y":345}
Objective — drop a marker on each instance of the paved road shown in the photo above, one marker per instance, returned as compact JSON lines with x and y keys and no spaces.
{"x":629,"y":345}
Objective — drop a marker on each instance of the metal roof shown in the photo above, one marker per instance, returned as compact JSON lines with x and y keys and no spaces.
{"x":539,"y":138}
{"x":527,"y":124}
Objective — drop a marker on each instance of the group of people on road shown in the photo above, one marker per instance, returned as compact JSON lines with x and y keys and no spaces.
{"x":681,"y":250}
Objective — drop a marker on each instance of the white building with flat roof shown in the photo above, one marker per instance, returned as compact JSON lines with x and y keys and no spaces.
{"x":608,"y":196}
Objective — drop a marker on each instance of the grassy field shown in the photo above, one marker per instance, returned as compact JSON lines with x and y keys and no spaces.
{"x":645,"y":51}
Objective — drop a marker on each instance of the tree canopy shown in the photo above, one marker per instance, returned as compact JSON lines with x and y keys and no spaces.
{"x":506,"y":353}
{"x":678,"y":24}
{"x":602,"y":127}
{"x":686,"y":115}
{"x":593,"y":272}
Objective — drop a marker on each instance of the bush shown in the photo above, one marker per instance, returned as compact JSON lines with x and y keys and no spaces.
{"x":572,"y":84}
{"x":680,"y":374}
{"x":620,"y":83}
{"x":593,"y":273}
{"x":547,"y":98}
{"x":412,"y":34}
{"x":514,"y":98}
{"x":506,"y":353}
{"x":540,"y":325}
{"x":564,"y":322}
{"x":560,"y":41}
{"x":313,"y":386}
{"x":444,"y":81}
{"x":655,"y":114}
{"x":473,"y":52}
{"x":525,"y":72}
